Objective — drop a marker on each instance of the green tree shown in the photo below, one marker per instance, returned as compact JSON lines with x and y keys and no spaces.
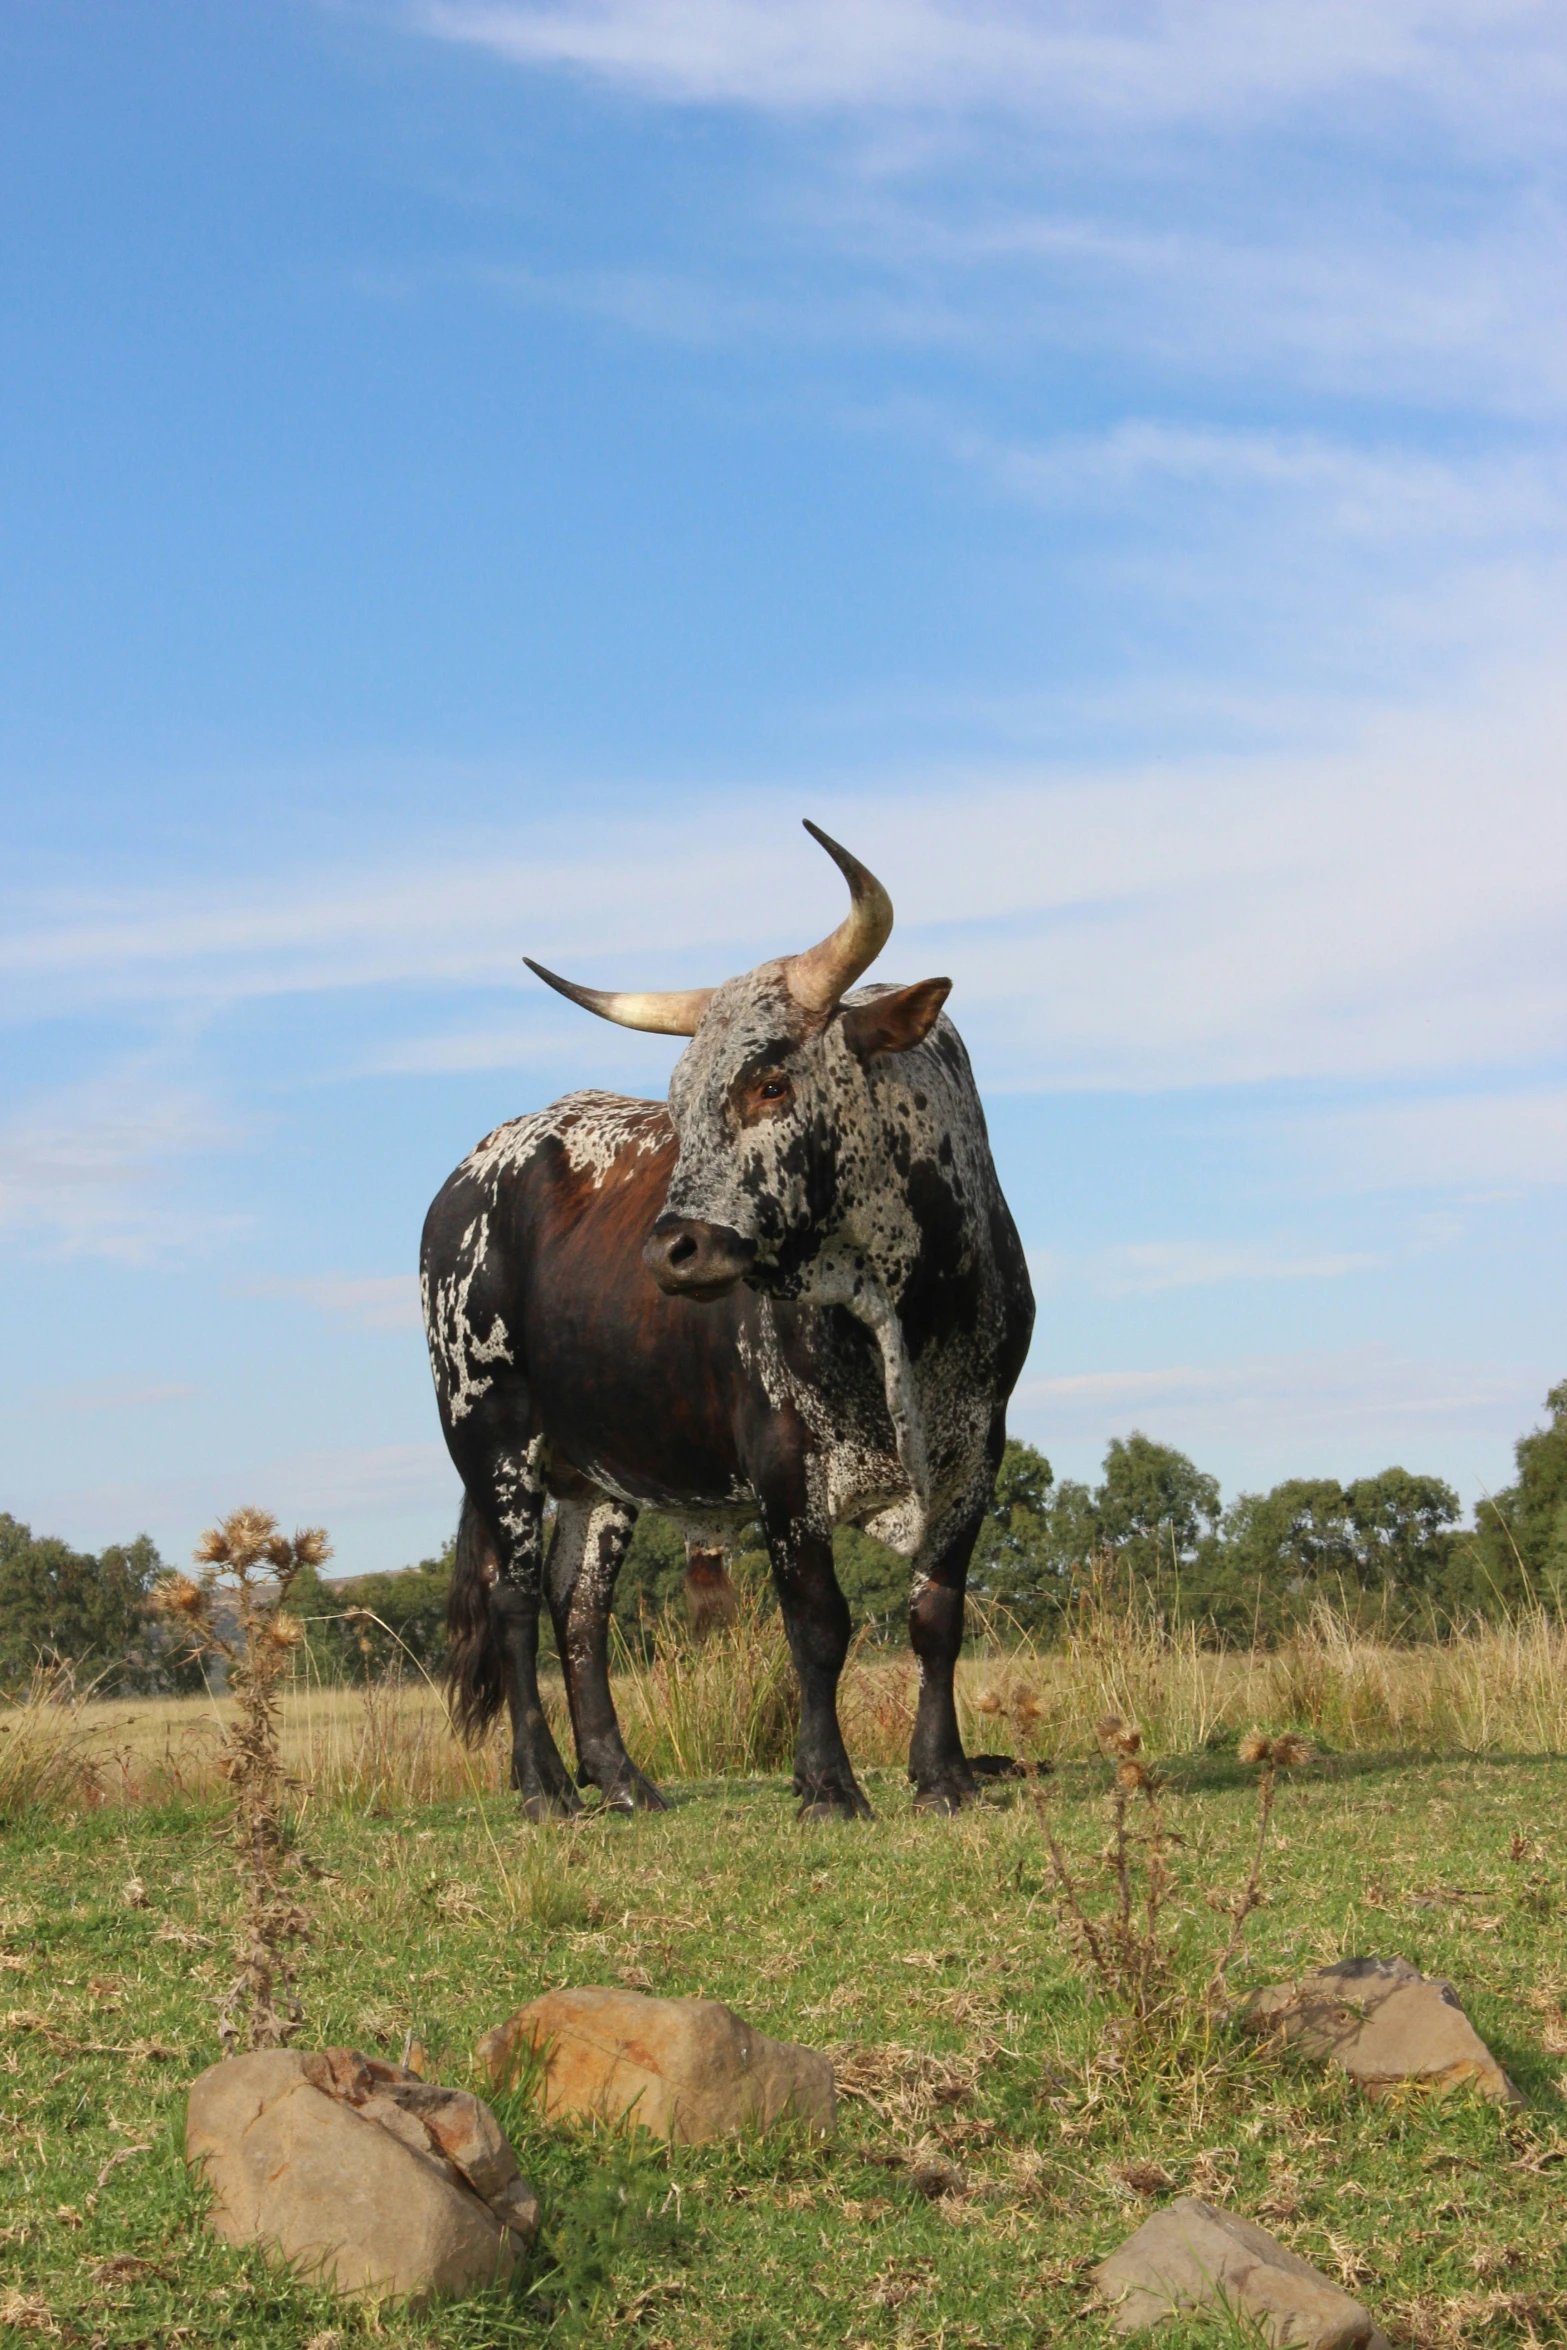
{"x":1017,"y":1561}
{"x":1154,"y":1506}
{"x":408,"y":1605}
{"x":1403,"y":1531}
{"x":653,"y":1571}
{"x":874,"y":1580}
{"x":1273,"y":1552}
{"x":1386,"y":1537}
{"x":64,"y":1606}
{"x":1518,"y":1550}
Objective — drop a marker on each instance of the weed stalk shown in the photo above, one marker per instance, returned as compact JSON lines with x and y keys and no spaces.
{"x":237,"y":1612}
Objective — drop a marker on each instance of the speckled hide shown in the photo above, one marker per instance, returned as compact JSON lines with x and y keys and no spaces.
{"x":855,"y":1313}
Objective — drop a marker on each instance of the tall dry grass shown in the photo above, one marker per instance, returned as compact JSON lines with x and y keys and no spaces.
{"x":46,"y":1747}
{"x":727,"y":1707}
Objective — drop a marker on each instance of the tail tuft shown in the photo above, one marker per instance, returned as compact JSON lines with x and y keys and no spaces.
{"x":475,"y":1672}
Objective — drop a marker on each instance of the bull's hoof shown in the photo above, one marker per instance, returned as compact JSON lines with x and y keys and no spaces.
{"x":943,"y":1797}
{"x":542,"y":1805}
{"x":632,"y":1792}
{"x":833,"y":1800}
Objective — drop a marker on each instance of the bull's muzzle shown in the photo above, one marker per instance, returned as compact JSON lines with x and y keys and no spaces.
{"x":690,"y":1259}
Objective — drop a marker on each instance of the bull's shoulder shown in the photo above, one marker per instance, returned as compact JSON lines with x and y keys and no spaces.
{"x":593,"y":1135}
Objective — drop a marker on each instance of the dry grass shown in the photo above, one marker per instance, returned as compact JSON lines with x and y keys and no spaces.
{"x":726,"y":1709}
{"x":47,"y":1748}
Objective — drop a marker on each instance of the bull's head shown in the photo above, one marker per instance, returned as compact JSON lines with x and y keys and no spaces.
{"x":781,"y":1149}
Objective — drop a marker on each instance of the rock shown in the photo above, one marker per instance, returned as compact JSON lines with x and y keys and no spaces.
{"x":358,"y":2173}
{"x":1385,"y":2023}
{"x":518,"y":2206}
{"x":686,"y":2068}
{"x":1193,"y":2256}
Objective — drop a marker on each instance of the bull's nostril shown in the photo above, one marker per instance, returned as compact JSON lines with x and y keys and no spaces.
{"x":682,"y":1250}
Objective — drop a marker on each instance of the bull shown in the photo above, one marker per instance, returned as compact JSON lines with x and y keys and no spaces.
{"x":794,"y":1295}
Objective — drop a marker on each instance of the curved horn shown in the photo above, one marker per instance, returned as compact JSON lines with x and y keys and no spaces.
{"x":675,"y":1014}
{"x":819,"y":977}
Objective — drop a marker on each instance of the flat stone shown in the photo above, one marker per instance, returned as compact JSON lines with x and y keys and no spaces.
{"x":684,"y":2068}
{"x":1191,"y":2256}
{"x":1385,"y":2024}
{"x":340,"y":2165}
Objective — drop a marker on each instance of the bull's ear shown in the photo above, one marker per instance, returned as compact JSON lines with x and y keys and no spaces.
{"x":891,"y":1023}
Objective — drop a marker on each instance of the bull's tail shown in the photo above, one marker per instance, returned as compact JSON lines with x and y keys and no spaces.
{"x":475,"y":1668}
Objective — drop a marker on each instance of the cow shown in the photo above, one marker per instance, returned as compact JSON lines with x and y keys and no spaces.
{"x":793,"y":1295}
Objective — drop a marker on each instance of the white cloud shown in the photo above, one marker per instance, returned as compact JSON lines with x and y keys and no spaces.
{"x":90,"y":1168}
{"x":377,"y":1301}
{"x":1504,"y":1139}
{"x":1490,"y":66}
{"x":1382,"y":496}
{"x":368,"y":1484}
{"x":1290,"y":1404}
{"x":117,"y":1399}
{"x":1142,"y":1268}
{"x":1386,"y":909}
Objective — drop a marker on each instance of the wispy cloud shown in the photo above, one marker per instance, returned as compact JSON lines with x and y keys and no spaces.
{"x":1389,"y":908}
{"x":1141,"y":1268}
{"x":91,"y":1169}
{"x":117,"y":1399}
{"x":378,"y":1301}
{"x":370,"y":1485}
{"x":1176,"y":62}
{"x":1297,"y":1407}
{"x":1505,"y":1139}
{"x":1384,"y":496}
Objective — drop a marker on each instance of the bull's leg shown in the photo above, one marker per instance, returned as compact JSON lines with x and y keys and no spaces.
{"x":816,"y":1621}
{"x":537,"y":1772}
{"x":937,"y":1764}
{"x":589,"y":1543}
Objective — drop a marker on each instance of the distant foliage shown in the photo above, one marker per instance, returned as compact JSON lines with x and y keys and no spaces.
{"x":1386,"y":1552}
{"x":90,"y":1616}
{"x":1518,"y":1552}
{"x":370,"y":1626}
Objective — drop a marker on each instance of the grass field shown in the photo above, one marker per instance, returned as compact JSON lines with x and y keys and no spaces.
{"x":993,"y":2141}
{"x":728,"y":1706}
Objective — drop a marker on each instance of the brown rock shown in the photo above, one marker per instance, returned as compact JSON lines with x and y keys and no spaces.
{"x":329,"y":2159}
{"x":685,"y":2068}
{"x":466,"y":2132}
{"x":1194,"y":2256}
{"x":518,"y":2206}
{"x":1385,"y":2023}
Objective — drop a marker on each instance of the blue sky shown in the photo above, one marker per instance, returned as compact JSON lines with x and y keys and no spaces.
{"x":475,"y":475}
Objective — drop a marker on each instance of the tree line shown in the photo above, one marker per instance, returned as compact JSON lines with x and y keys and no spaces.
{"x":1389,"y":1547}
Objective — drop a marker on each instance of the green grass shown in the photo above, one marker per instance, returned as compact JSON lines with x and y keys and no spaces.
{"x":975,"y":2178}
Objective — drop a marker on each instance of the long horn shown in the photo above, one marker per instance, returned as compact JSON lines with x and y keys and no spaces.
{"x":675,"y":1014}
{"x":823,"y":974}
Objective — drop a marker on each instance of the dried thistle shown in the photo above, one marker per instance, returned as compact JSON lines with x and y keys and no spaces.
{"x":1123,"y":1946}
{"x":237,"y":1613}
{"x":1267,"y":1756}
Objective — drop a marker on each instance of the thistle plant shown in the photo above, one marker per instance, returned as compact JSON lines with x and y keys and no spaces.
{"x":1121,"y":1943}
{"x":1267,"y":1756}
{"x":1122,"y":1946}
{"x":236,"y":1611}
